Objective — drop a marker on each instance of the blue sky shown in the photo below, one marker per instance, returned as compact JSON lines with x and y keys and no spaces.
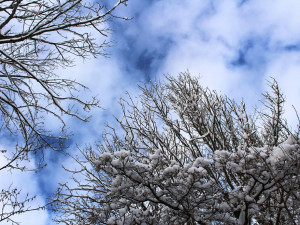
{"x":235,"y":46}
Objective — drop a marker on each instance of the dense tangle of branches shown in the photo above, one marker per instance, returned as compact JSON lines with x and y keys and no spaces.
{"x":187,"y":155}
{"x":37,"y":39}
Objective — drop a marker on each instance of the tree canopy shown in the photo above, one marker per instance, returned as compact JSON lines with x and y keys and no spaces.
{"x":188,"y":155}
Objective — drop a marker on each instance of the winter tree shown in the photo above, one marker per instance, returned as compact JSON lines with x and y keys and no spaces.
{"x":188,"y":155}
{"x":38,"y":37}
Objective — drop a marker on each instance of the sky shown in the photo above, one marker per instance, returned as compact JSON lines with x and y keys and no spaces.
{"x":235,"y":46}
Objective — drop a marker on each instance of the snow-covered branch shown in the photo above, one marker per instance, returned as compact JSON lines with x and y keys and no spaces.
{"x":189,"y":156}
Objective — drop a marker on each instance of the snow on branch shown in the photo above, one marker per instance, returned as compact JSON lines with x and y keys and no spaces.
{"x":194,"y":157}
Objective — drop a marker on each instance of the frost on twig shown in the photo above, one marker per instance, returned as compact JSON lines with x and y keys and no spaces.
{"x":193,"y":157}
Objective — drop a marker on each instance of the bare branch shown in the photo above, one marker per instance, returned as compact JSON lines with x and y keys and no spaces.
{"x":36,"y":38}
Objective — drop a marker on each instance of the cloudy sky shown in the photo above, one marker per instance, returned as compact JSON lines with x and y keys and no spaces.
{"x":233,"y":45}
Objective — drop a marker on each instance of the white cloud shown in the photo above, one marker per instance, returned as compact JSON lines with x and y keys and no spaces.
{"x":205,"y":37}
{"x":208,"y":36}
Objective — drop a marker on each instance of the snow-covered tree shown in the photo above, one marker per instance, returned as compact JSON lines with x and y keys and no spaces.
{"x":187,"y":155}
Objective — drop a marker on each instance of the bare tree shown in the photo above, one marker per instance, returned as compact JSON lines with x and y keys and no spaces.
{"x":187,"y":155}
{"x":37,"y":37}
